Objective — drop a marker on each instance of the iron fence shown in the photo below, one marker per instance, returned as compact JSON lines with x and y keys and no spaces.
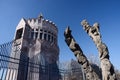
{"x":13,"y":68}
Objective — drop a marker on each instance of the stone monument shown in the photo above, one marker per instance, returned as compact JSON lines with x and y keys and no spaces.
{"x":107,"y":68}
{"x":39,"y":51}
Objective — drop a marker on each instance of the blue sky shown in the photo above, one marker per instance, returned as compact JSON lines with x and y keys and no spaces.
{"x":64,"y":13}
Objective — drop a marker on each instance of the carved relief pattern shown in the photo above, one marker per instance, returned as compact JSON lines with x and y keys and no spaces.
{"x":88,"y":70}
{"x":106,"y":66}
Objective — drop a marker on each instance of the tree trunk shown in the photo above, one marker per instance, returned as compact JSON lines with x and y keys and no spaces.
{"x":108,"y":72}
{"x":88,"y":70}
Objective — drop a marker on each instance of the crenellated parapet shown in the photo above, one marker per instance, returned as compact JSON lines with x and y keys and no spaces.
{"x":37,"y":41}
{"x":33,"y":31}
{"x":42,"y":23}
{"x":42,"y":29}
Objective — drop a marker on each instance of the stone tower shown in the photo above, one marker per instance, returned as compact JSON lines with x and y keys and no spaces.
{"x":37,"y":41}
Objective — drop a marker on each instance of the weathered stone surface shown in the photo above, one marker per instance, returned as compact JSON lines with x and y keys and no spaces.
{"x":36,"y":40}
{"x":106,"y":66}
{"x":88,"y":70}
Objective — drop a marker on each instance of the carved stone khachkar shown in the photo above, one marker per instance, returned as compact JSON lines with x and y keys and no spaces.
{"x":106,"y":66}
{"x":88,"y":70}
{"x":108,"y":72}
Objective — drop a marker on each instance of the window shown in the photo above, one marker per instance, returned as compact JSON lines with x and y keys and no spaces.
{"x":32,"y":30}
{"x":45,"y":31}
{"x":19,"y":33}
{"x":41,"y":35}
{"x":49,"y":32}
{"x":45,"y":36}
{"x":36,"y":34}
{"x":41,"y":30}
{"x":32,"y":35}
{"x":48,"y":37}
{"x":52,"y":39}
{"x":36,"y":29}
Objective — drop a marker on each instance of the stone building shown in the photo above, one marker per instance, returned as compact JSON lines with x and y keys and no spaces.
{"x":36,"y":39}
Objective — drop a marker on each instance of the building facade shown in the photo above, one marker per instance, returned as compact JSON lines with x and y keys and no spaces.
{"x":36,"y":39}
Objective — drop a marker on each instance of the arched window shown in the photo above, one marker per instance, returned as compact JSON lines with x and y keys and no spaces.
{"x":19,"y":33}
{"x":48,"y":37}
{"x":36,"y":34}
{"x":45,"y":36}
{"x":36,"y":29}
{"x":41,"y":34}
{"x":52,"y":39}
{"x":41,"y":30}
{"x":32,"y":35}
